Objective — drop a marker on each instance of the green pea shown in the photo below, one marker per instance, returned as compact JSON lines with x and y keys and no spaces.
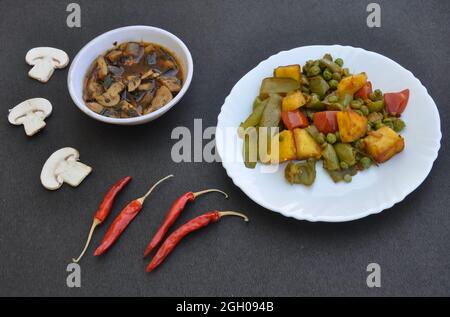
{"x":365,"y":110}
{"x":347,"y":178}
{"x":333,"y":83}
{"x":365,"y":162}
{"x":331,"y":138}
{"x":327,"y":75}
{"x":356,"y":104}
{"x":343,"y":165}
{"x":314,"y":70}
{"x":398,"y":125}
{"x":339,"y":61}
{"x":375,"y":106}
{"x":337,"y":76}
{"x":333,"y":99}
{"x":378,"y":125}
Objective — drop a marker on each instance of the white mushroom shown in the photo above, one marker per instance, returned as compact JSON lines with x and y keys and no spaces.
{"x":63,"y":167}
{"x":31,"y":113}
{"x":45,"y":60}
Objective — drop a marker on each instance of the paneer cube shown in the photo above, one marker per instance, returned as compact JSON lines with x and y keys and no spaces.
{"x":306,"y":146}
{"x":352,"y":126}
{"x":293,"y":101}
{"x":290,"y":71}
{"x":383,"y":144}
{"x":351,"y":84}
{"x":286,"y":147}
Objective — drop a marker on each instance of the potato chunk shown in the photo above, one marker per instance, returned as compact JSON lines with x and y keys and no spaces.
{"x":290,"y":71}
{"x":352,"y":126}
{"x":293,"y":101}
{"x":351,"y":84}
{"x":383,"y":144}
{"x":286,"y":148}
{"x":306,"y":146}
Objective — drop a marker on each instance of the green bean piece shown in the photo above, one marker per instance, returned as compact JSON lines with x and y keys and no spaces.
{"x":339,"y":61}
{"x":378,"y":125}
{"x":332,"y":66}
{"x":345,"y":100}
{"x":332,"y":98}
{"x":274,"y":85}
{"x":327,"y":75}
{"x":330,"y":158}
{"x":301,"y":173}
{"x":314,"y":132}
{"x":346,"y":153}
{"x":328,"y":56}
{"x":256,"y":102}
{"x":365,"y":162}
{"x":331,"y":138}
{"x":314,"y":103}
{"x":333,"y":84}
{"x":356,"y":104}
{"x":375,"y":106}
{"x":318,"y":85}
{"x":250,"y":148}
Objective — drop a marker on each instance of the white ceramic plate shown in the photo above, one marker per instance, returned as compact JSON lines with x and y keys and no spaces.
{"x":370,"y":191}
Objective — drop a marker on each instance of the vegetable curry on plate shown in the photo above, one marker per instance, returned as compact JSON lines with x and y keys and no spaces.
{"x":322,"y":112}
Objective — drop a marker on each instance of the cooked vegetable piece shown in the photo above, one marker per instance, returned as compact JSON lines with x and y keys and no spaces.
{"x":274,"y":85}
{"x":162,"y":97}
{"x":350,"y":85}
{"x":306,"y":146}
{"x":271,"y":115}
{"x":346,"y":153}
{"x":326,"y":121}
{"x":301,"y":173}
{"x":133,"y":83}
{"x":330,"y":158}
{"x":294,"y":119}
{"x":332,"y":66}
{"x":114,"y":55}
{"x":383,"y":143}
{"x":250,"y":148}
{"x":396,"y":102}
{"x":172,"y":83}
{"x":343,"y":175}
{"x":314,"y":103}
{"x":286,"y":147}
{"x":318,"y":85}
{"x":102,"y":67}
{"x":254,"y":118}
{"x":293,"y":101}
{"x":290,"y":71}
{"x":375,"y":106}
{"x":365,"y":91}
{"x":352,"y":126}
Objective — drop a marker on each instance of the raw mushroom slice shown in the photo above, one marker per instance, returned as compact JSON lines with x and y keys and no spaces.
{"x":31,"y":113}
{"x":44,"y":61}
{"x":63,"y":167}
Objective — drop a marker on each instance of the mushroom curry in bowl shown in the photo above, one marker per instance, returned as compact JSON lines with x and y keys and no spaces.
{"x":132,"y":79}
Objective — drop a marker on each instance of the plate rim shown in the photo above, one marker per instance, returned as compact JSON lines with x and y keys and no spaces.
{"x":369,"y":211}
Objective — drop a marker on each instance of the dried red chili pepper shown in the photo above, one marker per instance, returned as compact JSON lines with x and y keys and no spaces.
{"x":103,"y":210}
{"x":193,"y":225}
{"x":173,"y":214}
{"x":123,"y":220}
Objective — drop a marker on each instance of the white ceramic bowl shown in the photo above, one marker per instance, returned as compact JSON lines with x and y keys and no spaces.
{"x":370,"y":191}
{"x":104,"y":42}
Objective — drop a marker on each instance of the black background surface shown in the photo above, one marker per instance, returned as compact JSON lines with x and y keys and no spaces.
{"x":40,"y":231}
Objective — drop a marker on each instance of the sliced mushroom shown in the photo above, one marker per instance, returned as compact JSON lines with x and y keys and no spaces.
{"x":147,"y":74}
{"x":102,"y":67}
{"x":31,"y":113}
{"x":146,"y":86}
{"x":108,"y":100}
{"x":162,"y":97}
{"x":114,"y":56}
{"x":63,"y":167}
{"x":44,"y":61}
{"x":172,"y":83}
{"x":98,"y":108}
{"x":133,"y":83}
{"x":115,"y":88}
{"x":94,"y":88}
{"x":128,"y":108}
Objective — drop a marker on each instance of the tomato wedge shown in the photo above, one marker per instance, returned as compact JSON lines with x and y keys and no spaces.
{"x":326,"y":121}
{"x":396,"y":102}
{"x":294,"y":119}
{"x":364,"y":92}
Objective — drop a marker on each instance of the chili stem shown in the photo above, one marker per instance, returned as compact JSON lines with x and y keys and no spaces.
{"x":233,"y":213}
{"x":209,"y":191}
{"x":94,"y":225}
{"x":142,"y":199}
